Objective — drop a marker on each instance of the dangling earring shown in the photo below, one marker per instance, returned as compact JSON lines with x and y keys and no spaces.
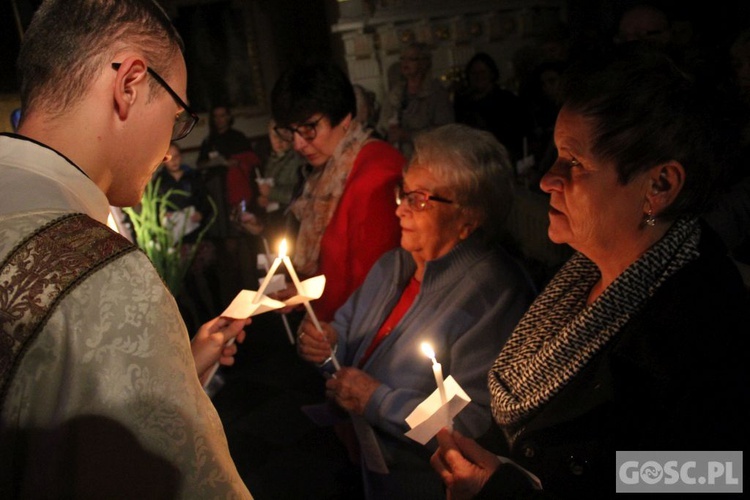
{"x":650,"y":219}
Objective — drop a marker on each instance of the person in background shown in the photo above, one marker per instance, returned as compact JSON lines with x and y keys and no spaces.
{"x":100,"y":394}
{"x":190,"y":197}
{"x":483,"y":104}
{"x":730,"y":216}
{"x":175,"y":175}
{"x":615,"y":353}
{"x":223,"y":140}
{"x":346,"y":211}
{"x":541,"y":94}
{"x":282,"y":166}
{"x":644,"y":22}
{"x":230,"y":150}
{"x":228,"y":165}
{"x":368,"y":109}
{"x":276,"y":189}
{"x":417,"y":102}
{"x":450,"y":284}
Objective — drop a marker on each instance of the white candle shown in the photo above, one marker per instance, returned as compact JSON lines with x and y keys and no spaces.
{"x":276,"y":263}
{"x":310,"y":312}
{"x":437,"y":370}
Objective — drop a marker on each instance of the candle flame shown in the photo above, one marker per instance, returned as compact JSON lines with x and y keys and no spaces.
{"x":427,"y":350}
{"x":282,"y":248}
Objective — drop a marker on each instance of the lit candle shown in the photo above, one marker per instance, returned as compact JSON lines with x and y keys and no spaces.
{"x":283,"y":316}
{"x":310,"y":312}
{"x":437,"y":370}
{"x":276,"y":263}
{"x":256,"y":299}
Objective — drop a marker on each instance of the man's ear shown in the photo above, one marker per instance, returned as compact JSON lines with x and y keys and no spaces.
{"x":127,"y":89}
{"x":664,"y":185}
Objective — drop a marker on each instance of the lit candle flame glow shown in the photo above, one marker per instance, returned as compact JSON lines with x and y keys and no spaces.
{"x":427,"y":350}
{"x":282,"y":248}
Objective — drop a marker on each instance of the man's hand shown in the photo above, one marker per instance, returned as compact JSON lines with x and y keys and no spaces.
{"x":209,"y":344}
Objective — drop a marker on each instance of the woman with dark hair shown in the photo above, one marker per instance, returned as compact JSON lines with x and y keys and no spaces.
{"x":346,"y":210}
{"x":483,"y":104}
{"x":636,"y":343}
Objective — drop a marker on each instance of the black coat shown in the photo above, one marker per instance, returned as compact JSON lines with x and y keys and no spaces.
{"x":672,"y":379}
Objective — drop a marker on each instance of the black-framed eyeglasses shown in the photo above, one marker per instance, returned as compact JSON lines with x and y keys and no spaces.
{"x":186,"y":119}
{"x":308,"y":131}
{"x":417,"y":200}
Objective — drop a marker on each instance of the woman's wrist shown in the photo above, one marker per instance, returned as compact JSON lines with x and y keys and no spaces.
{"x":334,"y":348}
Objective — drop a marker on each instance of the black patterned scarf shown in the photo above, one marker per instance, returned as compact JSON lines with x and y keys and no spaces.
{"x":559,"y":333}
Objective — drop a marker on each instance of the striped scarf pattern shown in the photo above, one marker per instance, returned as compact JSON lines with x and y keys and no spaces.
{"x":559,"y":333}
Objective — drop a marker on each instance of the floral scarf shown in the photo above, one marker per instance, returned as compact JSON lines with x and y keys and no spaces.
{"x":320,"y":196}
{"x":559,"y":333}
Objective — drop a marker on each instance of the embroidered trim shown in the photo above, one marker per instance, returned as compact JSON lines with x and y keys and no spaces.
{"x":38,"y":273}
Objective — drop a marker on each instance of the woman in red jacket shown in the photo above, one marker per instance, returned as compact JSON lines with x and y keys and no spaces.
{"x":346,"y":209}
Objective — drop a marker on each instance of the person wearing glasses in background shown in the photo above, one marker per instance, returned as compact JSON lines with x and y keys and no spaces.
{"x":417,"y":102}
{"x":345,"y":211}
{"x":99,"y":395}
{"x":451,"y":284}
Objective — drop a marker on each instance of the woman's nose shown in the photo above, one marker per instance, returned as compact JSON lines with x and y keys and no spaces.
{"x":552,"y":179}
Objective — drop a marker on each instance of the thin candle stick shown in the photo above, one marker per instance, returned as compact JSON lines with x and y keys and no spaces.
{"x":276,"y":263}
{"x":214,"y":368}
{"x":310,"y":312}
{"x":256,"y":299}
{"x":266,"y":280}
{"x":287,"y":328}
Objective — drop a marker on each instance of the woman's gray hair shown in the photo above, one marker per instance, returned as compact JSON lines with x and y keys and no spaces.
{"x":475,"y":167}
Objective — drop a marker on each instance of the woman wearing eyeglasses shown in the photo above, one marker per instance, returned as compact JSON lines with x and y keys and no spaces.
{"x":346,"y":209}
{"x":450,"y":284}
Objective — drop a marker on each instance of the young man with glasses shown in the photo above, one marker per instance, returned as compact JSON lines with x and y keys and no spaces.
{"x":99,"y":395}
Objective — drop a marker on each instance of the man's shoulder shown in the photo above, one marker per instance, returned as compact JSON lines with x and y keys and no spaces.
{"x":16,"y":227}
{"x":59,"y":237}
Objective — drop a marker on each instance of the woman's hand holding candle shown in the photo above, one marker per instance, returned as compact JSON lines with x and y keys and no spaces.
{"x":351,"y":388}
{"x":310,"y":311}
{"x":314,"y":345}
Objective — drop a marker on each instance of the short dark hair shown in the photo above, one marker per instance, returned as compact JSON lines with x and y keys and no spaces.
{"x":305,"y":90}
{"x":487,"y":60}
{"x":645,"y":111}
{"x":69,"y":41}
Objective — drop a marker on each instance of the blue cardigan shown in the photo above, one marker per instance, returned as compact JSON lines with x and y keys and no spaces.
{"x":469,"y":302}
